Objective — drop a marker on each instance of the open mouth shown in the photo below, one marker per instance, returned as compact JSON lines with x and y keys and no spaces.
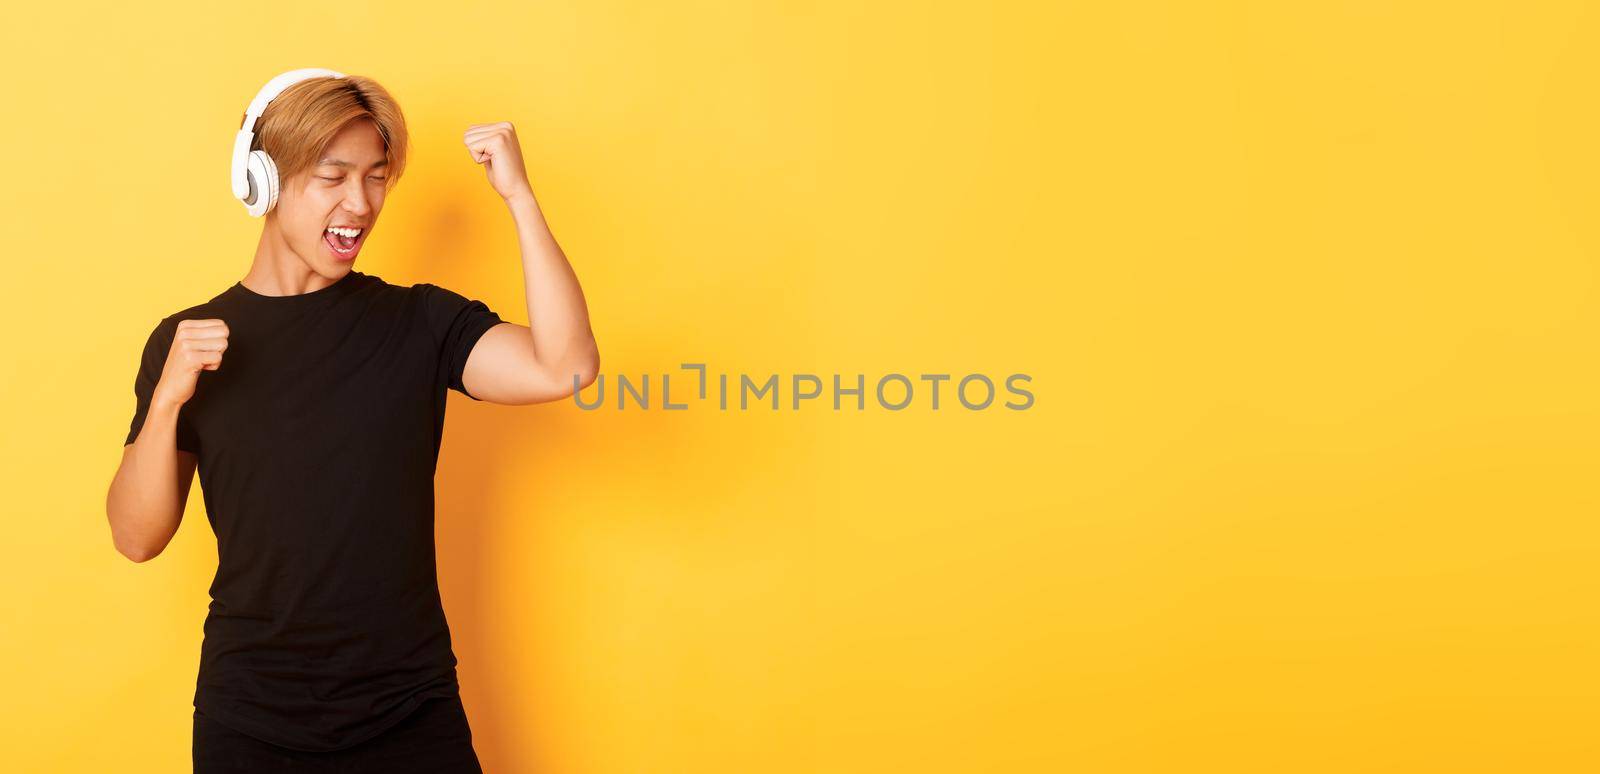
{"x":344,"y":243}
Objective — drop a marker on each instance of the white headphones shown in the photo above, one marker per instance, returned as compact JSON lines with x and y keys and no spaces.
{"x":255,"y":175}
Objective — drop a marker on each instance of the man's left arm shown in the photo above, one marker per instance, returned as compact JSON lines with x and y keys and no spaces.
{"x":556,"y":353}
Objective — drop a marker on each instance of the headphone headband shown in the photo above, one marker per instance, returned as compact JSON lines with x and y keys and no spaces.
{"x":239,"y":173}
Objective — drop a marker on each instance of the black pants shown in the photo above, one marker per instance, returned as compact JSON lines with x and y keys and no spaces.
{"x":434,"y":738}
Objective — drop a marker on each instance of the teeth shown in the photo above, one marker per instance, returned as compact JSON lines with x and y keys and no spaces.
{"x":352,"y":233}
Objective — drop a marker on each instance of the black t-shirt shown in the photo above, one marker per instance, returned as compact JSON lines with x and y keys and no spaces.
{"x":317,"y":440}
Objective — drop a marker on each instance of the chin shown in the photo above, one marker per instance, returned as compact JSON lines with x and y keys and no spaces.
{"x":322,"y":264}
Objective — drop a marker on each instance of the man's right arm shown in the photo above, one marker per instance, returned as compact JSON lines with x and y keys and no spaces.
{"x":151,"y":487}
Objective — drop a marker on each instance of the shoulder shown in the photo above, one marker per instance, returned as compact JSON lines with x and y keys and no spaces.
{"x":205,"y":311}
{"x":438,"y":301}
{"x":426,"y":295}
{"x":212,"y":308}
{"x":209,"y":309}
{"x":428,"y":290}
{"x":166,"y":325}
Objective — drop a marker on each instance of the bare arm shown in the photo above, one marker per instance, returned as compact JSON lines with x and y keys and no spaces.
{"x":151,"y":487}
{"x":518,"y":364}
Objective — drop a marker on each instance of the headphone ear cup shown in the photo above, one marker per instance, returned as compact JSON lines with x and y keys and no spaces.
{"x":262,"y":176}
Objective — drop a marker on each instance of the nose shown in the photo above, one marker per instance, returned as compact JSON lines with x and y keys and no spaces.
{"x":357,"y":199}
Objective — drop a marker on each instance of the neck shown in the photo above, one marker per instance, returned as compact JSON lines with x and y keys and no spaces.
{"x":278,"y":270}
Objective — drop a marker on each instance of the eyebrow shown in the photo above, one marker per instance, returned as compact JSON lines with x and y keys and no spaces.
{"x":342,"y":163}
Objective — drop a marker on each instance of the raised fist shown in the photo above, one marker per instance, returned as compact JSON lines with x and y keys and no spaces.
{"x":196,"y":346}
{"x":495,"y":146}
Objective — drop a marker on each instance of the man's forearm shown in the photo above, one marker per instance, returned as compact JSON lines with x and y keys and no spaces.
{"x":557,"y":314}
{"x":144,"y":504}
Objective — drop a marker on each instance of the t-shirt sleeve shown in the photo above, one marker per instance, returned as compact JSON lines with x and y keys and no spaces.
{"x":457,"y":323}
{"x":151,"y":364}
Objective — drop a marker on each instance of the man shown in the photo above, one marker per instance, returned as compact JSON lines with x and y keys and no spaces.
{"x":310,"y":397}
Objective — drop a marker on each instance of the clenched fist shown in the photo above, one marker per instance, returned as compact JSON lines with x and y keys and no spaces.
{"x":196,"y":346}
{"x":495,"y":146}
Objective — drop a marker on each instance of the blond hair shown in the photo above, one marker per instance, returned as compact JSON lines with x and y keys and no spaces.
{"x":299,"y":124}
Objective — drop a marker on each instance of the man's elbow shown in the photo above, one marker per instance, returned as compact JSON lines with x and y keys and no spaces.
{"x":583,"y":372}
{"x":559,"y":380}
{"x":129,"y":545}
{"x":589,"y":372}
{"x":138,"y":554}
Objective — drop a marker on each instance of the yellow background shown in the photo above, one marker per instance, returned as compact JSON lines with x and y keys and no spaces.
{"x":1307,"y":292}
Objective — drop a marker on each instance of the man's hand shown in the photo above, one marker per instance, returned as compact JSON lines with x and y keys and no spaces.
{"x":196,"y":346}
{"x":495,"y":146}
